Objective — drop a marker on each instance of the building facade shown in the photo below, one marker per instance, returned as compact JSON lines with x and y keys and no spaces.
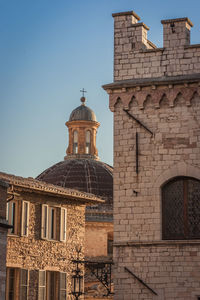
{"x":155,"y":98}
{"x":48,"y":231}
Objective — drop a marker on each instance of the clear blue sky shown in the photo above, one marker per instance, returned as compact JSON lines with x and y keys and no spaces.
{"x":49,"y":51}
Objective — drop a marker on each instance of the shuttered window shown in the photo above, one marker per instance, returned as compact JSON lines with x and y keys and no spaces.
{"x":17,"y":282}
{"x":50,"y":227}
{"x":52,"y":285}
{"x":11,"y":277}
{"x":18,"y":213}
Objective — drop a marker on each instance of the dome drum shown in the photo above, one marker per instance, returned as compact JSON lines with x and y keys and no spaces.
{"x":78,"y":143}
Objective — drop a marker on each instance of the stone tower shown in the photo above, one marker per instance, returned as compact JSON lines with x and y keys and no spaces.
{"x":155,"y":98}
{"x":82,"y":126}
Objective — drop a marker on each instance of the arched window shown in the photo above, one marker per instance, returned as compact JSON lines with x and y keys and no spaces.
{"x":75,"y":142}
{"x":87,"y":142}
{"x":181,"y":209}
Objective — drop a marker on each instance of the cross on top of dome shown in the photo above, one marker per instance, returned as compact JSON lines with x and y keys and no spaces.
{"x":83,"y":98}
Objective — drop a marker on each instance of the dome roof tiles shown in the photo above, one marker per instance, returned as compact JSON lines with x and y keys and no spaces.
{"x":82,"y":113}
{"x":85,"y":175}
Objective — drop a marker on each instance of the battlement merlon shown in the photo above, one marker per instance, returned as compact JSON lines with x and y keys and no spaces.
{"x":136,"y":57}
{"x":130,"y":35}
{"x":176,"y":32}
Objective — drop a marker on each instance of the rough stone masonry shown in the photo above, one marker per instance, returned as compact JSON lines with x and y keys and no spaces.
{"x":155,"y":98}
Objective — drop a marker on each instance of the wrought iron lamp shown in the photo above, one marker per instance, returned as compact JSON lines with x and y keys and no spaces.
{"x":77,"y":279}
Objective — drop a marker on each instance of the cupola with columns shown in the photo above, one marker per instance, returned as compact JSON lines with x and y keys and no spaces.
{"x":82,"y":127}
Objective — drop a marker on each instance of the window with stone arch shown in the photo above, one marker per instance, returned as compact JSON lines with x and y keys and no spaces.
{"x":88,"y":142}
{"x":75,"y":142}
{"x":181,"y":209}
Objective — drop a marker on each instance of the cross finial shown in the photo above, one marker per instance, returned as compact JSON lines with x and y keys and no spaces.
{"x":83,"y":91}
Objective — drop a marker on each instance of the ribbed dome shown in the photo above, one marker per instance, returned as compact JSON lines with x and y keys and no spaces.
{"x":85,"y":175}
{"x":84,"y":113}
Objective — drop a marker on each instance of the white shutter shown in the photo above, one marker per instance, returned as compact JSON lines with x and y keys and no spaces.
{"x":44,"y":222}
{"x":63,"y":224}
{"x":42,"y":285}
{"x":24,"y":284}
{"x":25,"y":218}
{"x":63,"y":286}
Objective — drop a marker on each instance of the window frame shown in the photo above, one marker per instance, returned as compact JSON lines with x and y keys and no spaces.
{"x":183,"y":229}
{"x":51,"y":229}
{"x":17,"y":283}
{"x":46,"y":285}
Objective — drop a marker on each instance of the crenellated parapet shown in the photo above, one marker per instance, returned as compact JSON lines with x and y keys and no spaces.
{"x":137,"y":57}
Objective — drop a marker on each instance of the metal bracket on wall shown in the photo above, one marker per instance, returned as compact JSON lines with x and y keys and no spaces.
{"x":138,"y":121}
{"x":140,"y":280}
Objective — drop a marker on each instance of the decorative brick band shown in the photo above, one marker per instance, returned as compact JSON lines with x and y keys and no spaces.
{"x":156,"y":96}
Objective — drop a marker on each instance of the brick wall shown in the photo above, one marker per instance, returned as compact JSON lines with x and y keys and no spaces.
{"x":156,"y":97}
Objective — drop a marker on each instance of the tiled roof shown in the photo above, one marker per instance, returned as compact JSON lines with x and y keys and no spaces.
{"x":43,"y":187}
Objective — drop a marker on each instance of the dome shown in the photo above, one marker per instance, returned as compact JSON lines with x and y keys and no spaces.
{"x":84,"y":113}
{"x":85,"y":175}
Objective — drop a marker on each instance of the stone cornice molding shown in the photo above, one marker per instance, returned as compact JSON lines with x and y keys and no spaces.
{"x":191,"y":78}
{"x":156,"y":243}
{"x":171,"y":93}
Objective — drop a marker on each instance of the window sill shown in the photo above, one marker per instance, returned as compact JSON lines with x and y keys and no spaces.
{"x":13,"y":235}
{"x":54,"y":241}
